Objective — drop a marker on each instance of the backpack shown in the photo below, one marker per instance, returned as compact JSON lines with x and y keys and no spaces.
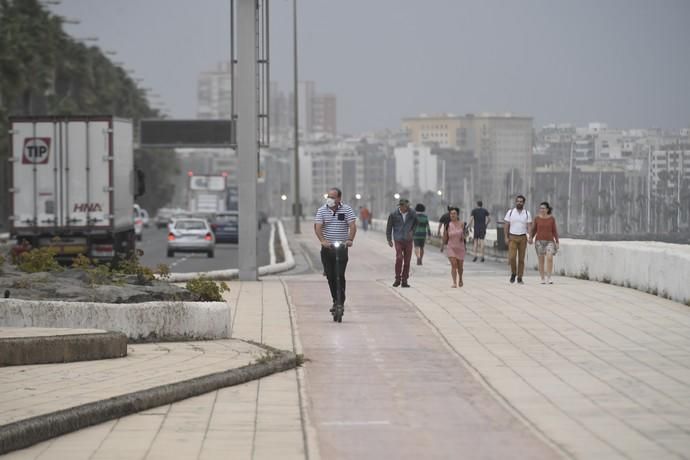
{"x":513,"y":209}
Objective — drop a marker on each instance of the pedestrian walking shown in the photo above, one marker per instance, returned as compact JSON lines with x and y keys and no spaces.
{"x":399,"y":233}
{"x":516,"y":226}
{"x":443,"y":225}
{"x":421,"y":233}
{"x":364,"y":217}
{"x":454,"y":238}
{"x":335,"y":222}
{"x":479,"y":220}
{"x":545,"y":236}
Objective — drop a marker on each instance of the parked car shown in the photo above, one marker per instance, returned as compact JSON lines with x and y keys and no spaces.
{"x":225,"y":225}
{"x":191,"y":235}
{"x":138,"y":222}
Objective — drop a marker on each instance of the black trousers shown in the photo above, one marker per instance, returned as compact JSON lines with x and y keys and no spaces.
{"x":333,"y":271}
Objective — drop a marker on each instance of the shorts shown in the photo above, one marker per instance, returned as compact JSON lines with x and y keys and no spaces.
{"x":544,"y":247}
{"x":419,"y":243}
{"x":479,"y":233}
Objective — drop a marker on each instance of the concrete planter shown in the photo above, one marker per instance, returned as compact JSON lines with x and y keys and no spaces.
{"x":149,"y":321}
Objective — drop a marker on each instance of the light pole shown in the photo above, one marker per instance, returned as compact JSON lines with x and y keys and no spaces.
{"x":283,"y":198}
{"x":570,"y":188}
{"x":297,"y":205}
{"x":396,"y":196}
{"x":440,"y":199}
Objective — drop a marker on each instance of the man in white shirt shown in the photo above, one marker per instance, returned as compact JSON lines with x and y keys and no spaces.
{"x":516,"y":227}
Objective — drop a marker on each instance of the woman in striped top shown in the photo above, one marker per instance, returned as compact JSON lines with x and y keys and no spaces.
{"x":421,"y":232}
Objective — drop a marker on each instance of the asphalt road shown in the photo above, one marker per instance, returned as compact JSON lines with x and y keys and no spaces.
{"x":154,"y":245}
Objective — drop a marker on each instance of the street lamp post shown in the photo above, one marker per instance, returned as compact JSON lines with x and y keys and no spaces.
{"x":297,"y":205}
{"x":570,"y":188}
{"x":283,"y":198}
{"x":440,"y":198}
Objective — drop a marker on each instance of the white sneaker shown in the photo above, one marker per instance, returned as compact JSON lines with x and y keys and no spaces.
{"x":543,"y":281}
{"x":549,"y":280}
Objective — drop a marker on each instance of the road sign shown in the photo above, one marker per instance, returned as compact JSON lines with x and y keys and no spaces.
{"x":36,"y":151}
{"x":157,"y":133}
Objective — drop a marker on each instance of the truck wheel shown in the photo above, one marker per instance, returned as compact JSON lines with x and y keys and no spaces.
{"x":210,"y":254}
{"x":171,"y":253}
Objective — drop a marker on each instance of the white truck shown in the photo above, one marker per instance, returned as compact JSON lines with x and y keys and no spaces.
{"x":73,"y":184}
{"x":207,"y":194}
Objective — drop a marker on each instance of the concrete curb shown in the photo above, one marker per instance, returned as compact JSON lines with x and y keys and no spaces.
{"x":233,"y":273}
{"x":20,"y":351}
{"x":24,"y":433}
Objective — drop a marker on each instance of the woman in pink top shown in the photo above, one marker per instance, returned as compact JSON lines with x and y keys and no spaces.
{"x":454,"y":239}
{"x":545,"y":236}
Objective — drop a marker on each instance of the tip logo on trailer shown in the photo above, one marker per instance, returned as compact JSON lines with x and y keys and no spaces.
{"x":36,"y":151}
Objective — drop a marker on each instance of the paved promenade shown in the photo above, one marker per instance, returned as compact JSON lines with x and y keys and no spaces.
{"x":577,"y":369}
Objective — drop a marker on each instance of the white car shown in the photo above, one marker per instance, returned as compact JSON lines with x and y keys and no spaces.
{"x":145,"y":217}
{"x":191,"y":235}
{"x":138,"y":222}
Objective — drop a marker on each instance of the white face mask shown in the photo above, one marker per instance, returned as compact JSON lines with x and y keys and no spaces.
{"x":330,"y":202}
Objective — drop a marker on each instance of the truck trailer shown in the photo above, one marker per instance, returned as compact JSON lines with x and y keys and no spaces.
{"x":73,"y":184}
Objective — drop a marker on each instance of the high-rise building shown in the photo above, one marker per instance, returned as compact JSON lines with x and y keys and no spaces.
{"x":364,"y":172}
{"x":214,"y":93}
{"x":501,"y":145}
{"x":433,"y":129}
{"x":317,"y":111}
{"x":416,"y":169}
{"x":503,"y":148}
{"x":324,"y":115}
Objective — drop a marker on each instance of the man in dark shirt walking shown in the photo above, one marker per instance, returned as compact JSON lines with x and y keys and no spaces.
{"x":443,"y":222}
{"x":480,"y":218}
{"x":400,"y":229}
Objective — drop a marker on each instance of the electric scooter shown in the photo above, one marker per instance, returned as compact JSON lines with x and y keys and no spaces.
{"x":338,"y":308}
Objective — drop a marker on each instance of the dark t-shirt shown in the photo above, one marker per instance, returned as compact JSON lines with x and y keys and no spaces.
{"x":480,"y":215}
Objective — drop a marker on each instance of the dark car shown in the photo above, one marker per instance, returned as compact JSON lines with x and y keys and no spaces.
{"x":225,"y":225}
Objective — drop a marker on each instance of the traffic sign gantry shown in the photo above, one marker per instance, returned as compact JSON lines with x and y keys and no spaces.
{"x":156,"y":133}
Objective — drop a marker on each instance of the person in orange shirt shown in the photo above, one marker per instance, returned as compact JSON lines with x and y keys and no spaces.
{"x":364,"y":217}
{"x":545,"y":236}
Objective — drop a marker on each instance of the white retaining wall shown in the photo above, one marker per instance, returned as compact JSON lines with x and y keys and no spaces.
{"x":139,"y":321}
{"x":661,"y":268}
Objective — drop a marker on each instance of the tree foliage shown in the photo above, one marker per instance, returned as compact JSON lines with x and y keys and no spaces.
{"x":44,"y":71}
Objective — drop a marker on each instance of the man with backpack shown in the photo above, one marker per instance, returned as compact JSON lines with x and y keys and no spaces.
{"x":516,"y":227}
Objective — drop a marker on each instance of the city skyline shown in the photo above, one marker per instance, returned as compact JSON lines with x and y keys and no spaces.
{"x":620,"y":62}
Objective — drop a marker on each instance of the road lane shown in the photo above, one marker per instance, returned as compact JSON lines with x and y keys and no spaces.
{"x":154,"y":245}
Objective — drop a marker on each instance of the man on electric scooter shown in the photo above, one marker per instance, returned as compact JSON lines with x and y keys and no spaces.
{"x":335,"y":222}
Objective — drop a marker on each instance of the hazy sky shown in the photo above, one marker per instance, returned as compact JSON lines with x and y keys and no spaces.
{"x":624,"y":62}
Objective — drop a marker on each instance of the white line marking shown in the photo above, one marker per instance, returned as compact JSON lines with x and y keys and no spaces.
{"x":356,"y":423}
